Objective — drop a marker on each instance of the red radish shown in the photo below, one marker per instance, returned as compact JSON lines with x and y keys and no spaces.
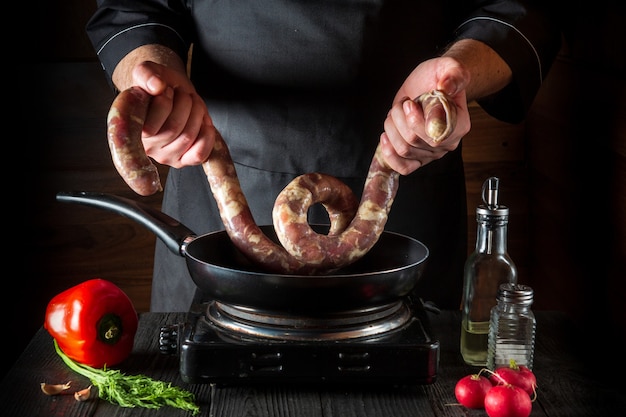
{"x":470,"y":390}
{"x":519,"y":376}
{"x":507,"y":401}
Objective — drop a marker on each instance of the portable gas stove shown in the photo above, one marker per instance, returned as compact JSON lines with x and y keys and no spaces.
{"x":228,"y":344}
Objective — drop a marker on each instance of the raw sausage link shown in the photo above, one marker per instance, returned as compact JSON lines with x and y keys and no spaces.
{"x":124,"y":125}
{"x":355,"y":227}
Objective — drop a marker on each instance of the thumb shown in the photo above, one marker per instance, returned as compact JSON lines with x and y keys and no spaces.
{"x":453,"y":81}
{"x":147,"y":76}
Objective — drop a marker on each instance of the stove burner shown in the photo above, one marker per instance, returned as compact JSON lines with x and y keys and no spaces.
{"x":352,"y":324}
{"x":222,"y":343}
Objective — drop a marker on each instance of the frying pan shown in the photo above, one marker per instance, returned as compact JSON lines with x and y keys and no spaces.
{"x":387,"y":273}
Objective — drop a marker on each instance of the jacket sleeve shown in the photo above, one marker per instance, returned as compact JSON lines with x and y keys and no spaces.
{"x":118,"y":27}
{"x":525,"y":34}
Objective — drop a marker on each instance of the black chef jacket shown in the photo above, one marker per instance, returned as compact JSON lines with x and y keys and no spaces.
{"x":304,"y":86}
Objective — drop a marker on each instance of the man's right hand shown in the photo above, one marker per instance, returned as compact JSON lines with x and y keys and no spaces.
{"x":178,"y":129}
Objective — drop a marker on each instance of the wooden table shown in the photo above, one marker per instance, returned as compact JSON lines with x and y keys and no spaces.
{"x":568,"y":385}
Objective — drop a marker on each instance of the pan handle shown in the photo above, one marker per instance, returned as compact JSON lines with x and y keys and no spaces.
{"x":174,"y":234}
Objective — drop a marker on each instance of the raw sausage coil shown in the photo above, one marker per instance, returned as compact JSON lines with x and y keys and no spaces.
{"x":354,"y":226}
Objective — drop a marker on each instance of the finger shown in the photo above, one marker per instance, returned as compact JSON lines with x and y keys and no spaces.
{"x":402,"y":165}
{"x":169,"y":131}
{"x":405,"y":126}
{"x":190,"y":133}
{"x":409,"y":132}
{"x":182,"y":106}
{"x":415,"y":118}
{"x":396,"y":130}
{"x":201,"y":149}
{"x":160,"y":108}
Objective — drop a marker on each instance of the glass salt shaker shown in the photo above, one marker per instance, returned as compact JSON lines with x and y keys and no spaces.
{"x":512,"y":328}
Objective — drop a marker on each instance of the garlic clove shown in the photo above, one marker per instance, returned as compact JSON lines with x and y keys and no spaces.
{"x":83,"y":395}
{"x":54,"y":389}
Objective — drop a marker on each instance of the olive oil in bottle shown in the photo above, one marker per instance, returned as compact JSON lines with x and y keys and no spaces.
{"x":485,"y":269}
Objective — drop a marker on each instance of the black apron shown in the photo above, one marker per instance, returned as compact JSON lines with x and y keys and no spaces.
{"x":295,"y":87}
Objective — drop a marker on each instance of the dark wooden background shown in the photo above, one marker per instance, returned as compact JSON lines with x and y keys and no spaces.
{"x":563,"y":175}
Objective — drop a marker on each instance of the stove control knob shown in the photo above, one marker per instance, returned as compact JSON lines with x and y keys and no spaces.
{"x":168,"y":339}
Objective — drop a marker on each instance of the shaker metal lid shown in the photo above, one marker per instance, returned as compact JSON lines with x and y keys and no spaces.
{"x":516,"y":293}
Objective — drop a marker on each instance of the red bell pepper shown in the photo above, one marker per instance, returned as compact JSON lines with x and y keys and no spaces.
{"x":94,"y":323}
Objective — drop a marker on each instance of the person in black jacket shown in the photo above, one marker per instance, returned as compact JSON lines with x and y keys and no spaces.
{"x":304,"y":86}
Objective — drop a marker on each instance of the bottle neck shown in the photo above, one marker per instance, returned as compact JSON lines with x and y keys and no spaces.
{"x":491,"y":236}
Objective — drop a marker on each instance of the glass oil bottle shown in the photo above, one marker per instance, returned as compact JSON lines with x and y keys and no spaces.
{"x":486,"y":268}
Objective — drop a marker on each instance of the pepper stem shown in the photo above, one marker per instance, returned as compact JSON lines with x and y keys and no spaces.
{"x":109,"y":328}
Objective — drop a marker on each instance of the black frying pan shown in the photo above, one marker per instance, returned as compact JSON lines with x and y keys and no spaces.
{"x":388,"y":272}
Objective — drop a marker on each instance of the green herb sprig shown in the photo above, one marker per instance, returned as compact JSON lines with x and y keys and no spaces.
{"x":132,"y":390}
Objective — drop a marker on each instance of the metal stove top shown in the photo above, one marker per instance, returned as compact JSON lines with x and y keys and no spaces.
{"x":225,"y":344}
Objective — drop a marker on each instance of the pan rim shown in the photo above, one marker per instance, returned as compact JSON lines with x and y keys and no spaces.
{"x":346,"y":272}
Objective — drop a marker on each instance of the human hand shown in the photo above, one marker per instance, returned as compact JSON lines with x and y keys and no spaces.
{"x":405,"y":144}
{"x":178,"y":129}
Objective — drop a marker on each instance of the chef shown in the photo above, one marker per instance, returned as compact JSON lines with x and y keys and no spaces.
{"x":314,"y":86}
